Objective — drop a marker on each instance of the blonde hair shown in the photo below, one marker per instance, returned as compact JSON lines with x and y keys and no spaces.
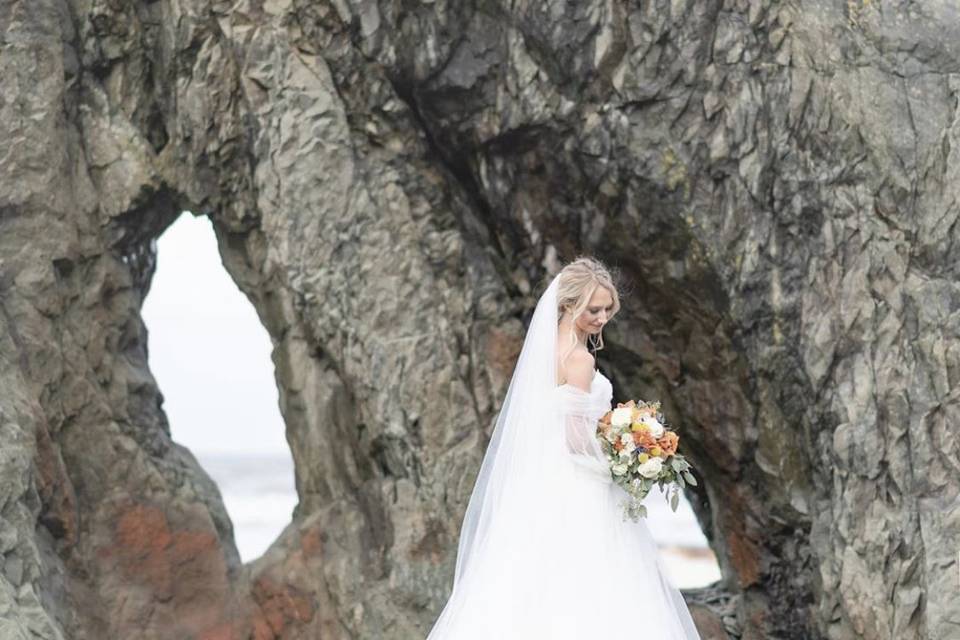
{"x":578,"y":282}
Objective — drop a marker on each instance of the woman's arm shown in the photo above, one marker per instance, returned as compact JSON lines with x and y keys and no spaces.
{"x":579,"y":368}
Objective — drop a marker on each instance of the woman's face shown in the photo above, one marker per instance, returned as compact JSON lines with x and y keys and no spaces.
{"x":597,"y":313}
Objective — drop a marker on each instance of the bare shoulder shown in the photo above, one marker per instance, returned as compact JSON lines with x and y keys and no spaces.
{"x":579,"y":368}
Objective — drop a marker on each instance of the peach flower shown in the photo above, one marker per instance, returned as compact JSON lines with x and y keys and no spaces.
{"x":668,"y":442}
{"x":644,"y":438}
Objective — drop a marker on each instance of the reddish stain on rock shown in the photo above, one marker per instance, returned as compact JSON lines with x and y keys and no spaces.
{"x":311,"y":542}
{"x":143,"y":533}
{"x":708,"y":623}
{"x":741,"y":547}
{"x":432,"y":544}
{"x":142,"y":538}
{"x":262,"y":630}
{"x":180,"y":563}
{"x":225,"y":631}
{"x":280,"y":606}
{"x":744,"y":557}
{"x":502,"y":349}
{"x":59,"y":504}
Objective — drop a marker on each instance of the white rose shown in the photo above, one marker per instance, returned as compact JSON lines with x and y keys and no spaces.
{"x":651,"y":468}
{"x":621,"y":416}
{"x":619,"y":469}
{"x":656,"y":429}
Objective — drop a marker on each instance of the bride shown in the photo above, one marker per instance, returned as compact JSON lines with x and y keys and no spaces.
{"x":544,"y":550}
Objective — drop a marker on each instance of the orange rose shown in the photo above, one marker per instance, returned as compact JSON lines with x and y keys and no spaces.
{"x":629,"y":403}
{"x":617,"y":445}
{"x":668,"y":442}
{"x":644,"y":438}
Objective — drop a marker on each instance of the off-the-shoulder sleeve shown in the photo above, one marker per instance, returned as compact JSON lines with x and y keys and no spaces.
{"x":581,"y":412}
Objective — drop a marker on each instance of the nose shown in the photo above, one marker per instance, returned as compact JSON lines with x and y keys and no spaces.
{"x":603,"y":317}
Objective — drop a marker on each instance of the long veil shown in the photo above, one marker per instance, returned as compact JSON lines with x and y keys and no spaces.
{"x":514,"y":553}
{"x":526,"y":448}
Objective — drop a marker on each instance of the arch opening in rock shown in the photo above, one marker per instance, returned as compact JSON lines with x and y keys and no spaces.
{"x":211,"y":358}
{"x":684,"y":548}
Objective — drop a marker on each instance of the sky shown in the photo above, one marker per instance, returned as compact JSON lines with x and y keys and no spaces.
{"x":208,"y":351}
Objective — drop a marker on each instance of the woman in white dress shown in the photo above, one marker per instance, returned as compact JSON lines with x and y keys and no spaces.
{"x":544,"y":550}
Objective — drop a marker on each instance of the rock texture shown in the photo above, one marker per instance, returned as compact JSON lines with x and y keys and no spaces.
{"x":391,"y":183}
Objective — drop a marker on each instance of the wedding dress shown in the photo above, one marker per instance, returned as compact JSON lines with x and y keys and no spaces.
{"x":544,"y":550}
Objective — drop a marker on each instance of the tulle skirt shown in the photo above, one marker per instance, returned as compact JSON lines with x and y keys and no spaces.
{"x":575,"y":570}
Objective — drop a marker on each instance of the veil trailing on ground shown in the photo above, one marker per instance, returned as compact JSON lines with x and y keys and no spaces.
{"x":520,"y":469}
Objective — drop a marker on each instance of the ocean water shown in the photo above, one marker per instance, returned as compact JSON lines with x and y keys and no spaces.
{"x":258,"y":492}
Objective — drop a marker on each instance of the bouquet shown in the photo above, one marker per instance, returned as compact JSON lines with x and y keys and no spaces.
{"x":643,"y":452}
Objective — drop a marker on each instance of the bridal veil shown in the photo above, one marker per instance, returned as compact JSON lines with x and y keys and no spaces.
{"x":517,"y":479}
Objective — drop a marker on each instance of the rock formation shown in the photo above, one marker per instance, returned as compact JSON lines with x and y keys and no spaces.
{"x":391,"y":183}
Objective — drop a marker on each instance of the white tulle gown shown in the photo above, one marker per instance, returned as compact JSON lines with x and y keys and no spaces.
{"x":582,"y":572}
